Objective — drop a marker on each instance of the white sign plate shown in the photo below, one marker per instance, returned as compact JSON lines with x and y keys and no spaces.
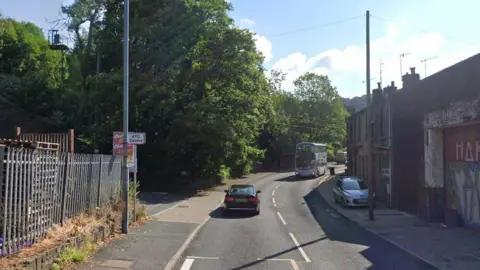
{"x":137,"y":138}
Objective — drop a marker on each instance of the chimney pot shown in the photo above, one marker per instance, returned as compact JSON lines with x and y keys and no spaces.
{"x":392,"y":84}
{"x":412,"y":70}
{"x":379,"y":85}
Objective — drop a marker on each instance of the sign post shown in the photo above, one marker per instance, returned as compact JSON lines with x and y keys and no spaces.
{"x":133,"y":139}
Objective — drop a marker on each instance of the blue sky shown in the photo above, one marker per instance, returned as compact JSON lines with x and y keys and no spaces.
{"x":427,"y":28}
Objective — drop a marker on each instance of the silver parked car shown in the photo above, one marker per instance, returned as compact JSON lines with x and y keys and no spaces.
{"x":351,"y":191}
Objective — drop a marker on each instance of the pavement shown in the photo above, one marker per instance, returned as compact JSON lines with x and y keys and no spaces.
{"x":175,"y":220}
{"x":446,"y":248}
{"x":296,"y":229}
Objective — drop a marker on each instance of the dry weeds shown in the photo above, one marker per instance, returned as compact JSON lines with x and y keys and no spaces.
{"x":80,"y":226}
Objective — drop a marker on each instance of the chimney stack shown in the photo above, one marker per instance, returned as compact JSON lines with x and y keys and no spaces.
{"x":377,"y":94}
{"x":389,"y":90}
{"x":410,"y":79}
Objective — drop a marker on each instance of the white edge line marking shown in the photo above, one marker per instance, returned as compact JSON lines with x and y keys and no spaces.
{"x":171,"y":207}
{"x":187,"y":264}
{"x":273,"y":192}
{"x":274,"y":259}
{"x":294,"y":265}
{"x":273,"y":200}
{"x":300,"y":248}
{"x":187,"y":242}
{"x":277,"y":186}
{"x":275,"y":205}
{"x":281,"y":218}
{"x":203,"y":258}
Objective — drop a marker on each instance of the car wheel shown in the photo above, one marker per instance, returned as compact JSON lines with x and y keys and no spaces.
{"x":335,"y":198}
{"x":257,"y":212}
{"x":226,"y":211}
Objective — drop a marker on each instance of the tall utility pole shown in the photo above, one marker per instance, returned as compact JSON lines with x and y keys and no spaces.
{"x":369,"y":125}
{"x":401,"y":58}
{"x":424,"y":61}
{"x":381,"y":70}
{"x":126,"y":26}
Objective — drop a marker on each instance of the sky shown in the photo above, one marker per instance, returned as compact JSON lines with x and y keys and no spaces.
{"x":328,"y":36}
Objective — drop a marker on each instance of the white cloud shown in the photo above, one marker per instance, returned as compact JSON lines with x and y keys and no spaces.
{"x":341,"y":63}
{"x":247,"y":22}
{"x":264,"y":46}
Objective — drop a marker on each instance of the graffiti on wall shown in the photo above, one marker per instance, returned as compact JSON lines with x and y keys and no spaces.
{"x":458,"y":113}
{"x":462,"y":153}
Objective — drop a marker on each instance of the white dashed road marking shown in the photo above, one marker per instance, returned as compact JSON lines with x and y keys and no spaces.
{"x":307,"y":259}
{"x":273,"y":200}
{"x":273,"y":192}
{"x":292,"y":262}
{"x":187,"y":264}
{"x":281,"y":218}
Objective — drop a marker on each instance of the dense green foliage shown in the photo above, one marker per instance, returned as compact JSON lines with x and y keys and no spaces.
{"x":197,"y":88}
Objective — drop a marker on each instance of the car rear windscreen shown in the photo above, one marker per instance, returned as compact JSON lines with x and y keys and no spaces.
{"x":242,"y":190}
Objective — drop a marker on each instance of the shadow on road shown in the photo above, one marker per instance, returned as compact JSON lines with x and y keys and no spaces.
{"x":380,"y":253}
{"x":152,"y":198}
{"x":220,"y":213}
{"x":286,"y":179}
{"x":250,"y":264}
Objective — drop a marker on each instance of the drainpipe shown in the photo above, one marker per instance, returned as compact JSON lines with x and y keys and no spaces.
{"x":390,"y":152}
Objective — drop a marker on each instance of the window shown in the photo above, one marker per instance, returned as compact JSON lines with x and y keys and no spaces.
{"x":242,"y":190}
{"x":353,"y":184}
{"x":306,"y":148}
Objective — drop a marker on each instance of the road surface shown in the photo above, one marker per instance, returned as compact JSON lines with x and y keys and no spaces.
{"x":296,"y":229}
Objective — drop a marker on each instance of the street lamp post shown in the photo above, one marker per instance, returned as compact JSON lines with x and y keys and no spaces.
{"x":126,"y":30}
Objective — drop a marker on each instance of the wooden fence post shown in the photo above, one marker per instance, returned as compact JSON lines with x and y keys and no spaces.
{"x":71,"y":141}
{"x":18,"y":132}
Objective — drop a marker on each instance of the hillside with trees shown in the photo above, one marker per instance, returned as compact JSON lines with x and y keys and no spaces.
{"x":197,"y":88}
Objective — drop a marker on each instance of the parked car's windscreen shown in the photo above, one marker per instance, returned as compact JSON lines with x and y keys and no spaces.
{"x":349,"y":184}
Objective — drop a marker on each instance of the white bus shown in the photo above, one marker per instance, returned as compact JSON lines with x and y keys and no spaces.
{"x":310,"y":159}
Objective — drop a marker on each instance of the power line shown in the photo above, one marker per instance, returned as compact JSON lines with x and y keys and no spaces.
{"x":424,"y":30}
{"x":317,"y":26}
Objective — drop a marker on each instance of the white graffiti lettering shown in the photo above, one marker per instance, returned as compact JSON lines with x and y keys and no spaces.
{"x":465,"y":151}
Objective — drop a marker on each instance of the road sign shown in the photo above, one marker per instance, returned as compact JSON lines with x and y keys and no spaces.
{"x":136,"y":138}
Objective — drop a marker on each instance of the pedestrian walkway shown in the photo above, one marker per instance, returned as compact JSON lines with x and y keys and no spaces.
{"x":153,"y":245}
{"x":446,"y":248}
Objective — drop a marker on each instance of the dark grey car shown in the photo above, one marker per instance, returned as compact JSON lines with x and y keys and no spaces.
{"x":243,"y":198}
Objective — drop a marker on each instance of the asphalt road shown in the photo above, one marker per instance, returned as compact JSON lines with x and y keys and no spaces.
{"x":296,"y":229}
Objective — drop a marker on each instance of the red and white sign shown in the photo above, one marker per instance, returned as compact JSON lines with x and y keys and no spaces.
{"x":462,"y":143}
{"x":118,"y":149}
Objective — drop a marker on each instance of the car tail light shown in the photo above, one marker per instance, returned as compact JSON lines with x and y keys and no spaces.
{"x":253,"y":200}
{"x":228,"y":199}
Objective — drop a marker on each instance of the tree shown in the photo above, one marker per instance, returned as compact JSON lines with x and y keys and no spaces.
{"x":322,"y":107}
{"x":197,"y":88}
{"x":25,"y":54}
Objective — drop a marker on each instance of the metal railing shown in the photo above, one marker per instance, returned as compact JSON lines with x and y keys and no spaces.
{"x":39,"y":189}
